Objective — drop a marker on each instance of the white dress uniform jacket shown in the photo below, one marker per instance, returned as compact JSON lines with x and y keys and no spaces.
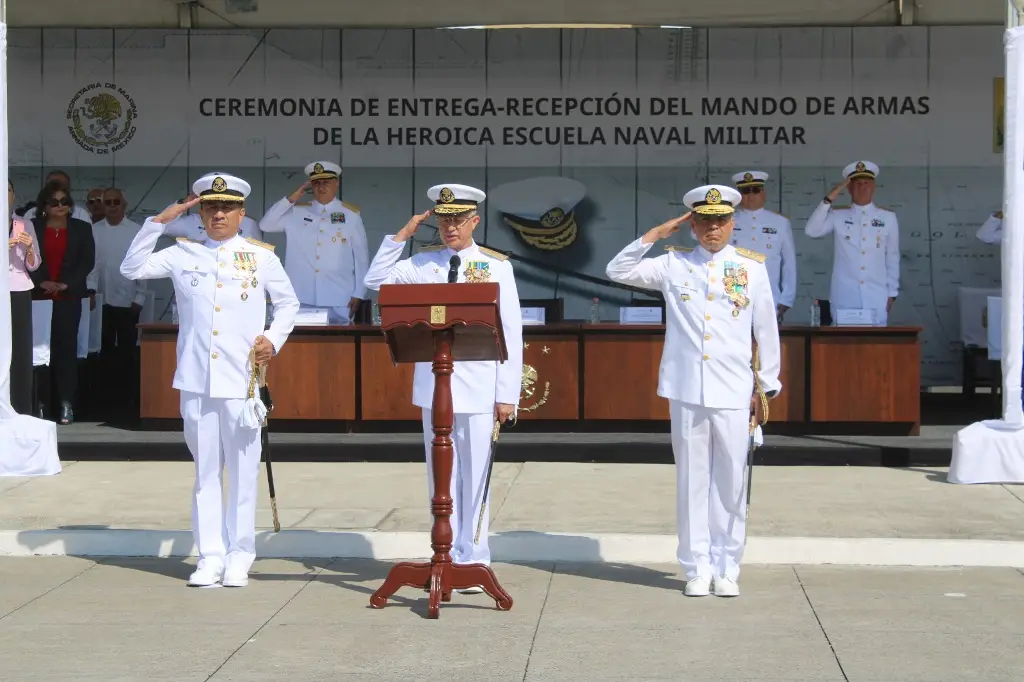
{"x":476,"y":385}
{"x":866,"y":261}
{"x":190,"y":226}
{"x":713,"y":303}
{"x":221,"y":290}
{"x":326,"y":254}
{"x":769,"y":233}
{"x":112,"y":242}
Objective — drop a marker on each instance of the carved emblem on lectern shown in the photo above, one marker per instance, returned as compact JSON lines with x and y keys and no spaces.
{"x":529,"y":389}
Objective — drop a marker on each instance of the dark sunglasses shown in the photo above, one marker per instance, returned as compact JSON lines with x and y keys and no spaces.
{"x":751,"y":190}
{"x":54,"y":203}
{"x":112,"y":202}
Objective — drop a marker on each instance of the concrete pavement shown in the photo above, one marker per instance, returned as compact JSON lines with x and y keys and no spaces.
{"x":540,"y":512}
{"x":120,"y":619}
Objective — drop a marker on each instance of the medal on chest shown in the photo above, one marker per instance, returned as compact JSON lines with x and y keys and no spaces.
{"x":245,"y":266}
{"x":478,"y":271}
{"x":735,"y":283}
{"x":338,"y":238}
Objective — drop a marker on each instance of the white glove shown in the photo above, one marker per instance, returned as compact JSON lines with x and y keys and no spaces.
{"x":758,"y":436}
{"x":253,"y":414}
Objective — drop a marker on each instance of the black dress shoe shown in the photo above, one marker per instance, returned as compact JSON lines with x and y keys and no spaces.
{"x":67,"y":415}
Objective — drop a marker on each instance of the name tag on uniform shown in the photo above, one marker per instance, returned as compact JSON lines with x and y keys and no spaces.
{"x":337,"y":218}
{"x":308,"y":219}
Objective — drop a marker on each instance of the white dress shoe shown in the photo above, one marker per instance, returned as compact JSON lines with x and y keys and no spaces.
{"x":206,"y":576}
{"x":726,"y":588}
{"x":235,"y":577}
{"x":697,"y":587}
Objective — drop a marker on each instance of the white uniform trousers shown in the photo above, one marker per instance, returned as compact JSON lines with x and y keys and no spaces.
{"x":710,"y":450}
{"x":339,"y":315}
{"x":471,"y":441}
{"x":225,"y":537}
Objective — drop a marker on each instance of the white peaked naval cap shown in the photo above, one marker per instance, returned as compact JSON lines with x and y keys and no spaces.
{"x":221,"y":187}
{"x":712,"y":200}
{"x":750,"y":178}
{"x":323,"y":170}
{"x":453,"y":199}
{"x":860,"y":169}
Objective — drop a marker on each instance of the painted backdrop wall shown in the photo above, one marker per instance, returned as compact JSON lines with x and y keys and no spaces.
{"x":638,"y":117}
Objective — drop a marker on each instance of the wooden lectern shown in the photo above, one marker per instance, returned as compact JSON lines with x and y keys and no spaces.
{"x":442,"y":324}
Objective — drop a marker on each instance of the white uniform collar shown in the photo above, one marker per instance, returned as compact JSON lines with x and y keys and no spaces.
{"x":468,"y":251}
{"x":705,"y":255}
{"x":747,"y":211}
{"x":866,"y":207}
{"x":211,"y":243}
{"x":334,"y":203}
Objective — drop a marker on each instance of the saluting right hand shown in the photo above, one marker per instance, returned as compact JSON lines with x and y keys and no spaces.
{"x":834,"y":194}
{"x":665,"y":229}
{"x":174,"y":211}
{"x":297,"y":194}
{"x":410,"y":227}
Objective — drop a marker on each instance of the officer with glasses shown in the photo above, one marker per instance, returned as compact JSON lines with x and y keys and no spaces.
{"x":758,"y":229}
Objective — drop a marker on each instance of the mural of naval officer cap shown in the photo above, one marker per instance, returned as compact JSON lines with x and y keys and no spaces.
{"x":860,"y":169}
{"x":323,"y":170}
{"x":541,"y":210}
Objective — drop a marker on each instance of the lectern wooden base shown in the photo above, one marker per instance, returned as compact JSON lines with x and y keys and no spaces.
{"x":440,"y":576}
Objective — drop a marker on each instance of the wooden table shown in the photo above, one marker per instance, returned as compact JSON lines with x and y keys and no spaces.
{"x":579,"y":376}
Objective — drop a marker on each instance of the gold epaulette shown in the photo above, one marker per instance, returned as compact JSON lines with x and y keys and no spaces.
{"x":430,"y":247}
{"x":836,"y":208}
{"x":303,"y":203}
{"x":752,"y":255}
{"x":684,"y":249}
{"x":351,"y":207}
{"x":494,"y":254}
{"x":186,"y":239}
{"x":256,"y":242}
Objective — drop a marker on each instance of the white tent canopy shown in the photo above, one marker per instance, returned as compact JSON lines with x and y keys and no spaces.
{"x":416,"y":14}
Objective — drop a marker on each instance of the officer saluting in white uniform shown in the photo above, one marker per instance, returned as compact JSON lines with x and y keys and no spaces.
{"x":482,"y":391}
{"x":767,"y":232}
{"x":326,"y":253}
{"x":866,"y":261}
{"x":221,"y":285}
{"x":717,"y":297}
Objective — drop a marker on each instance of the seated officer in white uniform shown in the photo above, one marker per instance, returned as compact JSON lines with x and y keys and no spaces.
{"x":768,"y":232}
{"x":717,"y":298}
{"x":326,"y":253}
{"x":866,"y":261}
{"x":190,"y":225}
{"x":221,"y":285}
{"x":483,"y":391}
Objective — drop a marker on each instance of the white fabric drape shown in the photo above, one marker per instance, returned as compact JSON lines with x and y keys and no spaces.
{"x":28,"y":446}
{"x":992,"y":451}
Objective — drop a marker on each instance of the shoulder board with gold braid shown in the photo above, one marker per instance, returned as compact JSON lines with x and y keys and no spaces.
{"x":351,"y":207}
{"x":752,"y":255}
{"x":683,"y":249}
{"x":427,"y":248}
{"x":186,"y":239}
{"x":839,"y":208}
{"x":303,"y":203}
{"x":493,"y":254}
{"x":256,"y":242}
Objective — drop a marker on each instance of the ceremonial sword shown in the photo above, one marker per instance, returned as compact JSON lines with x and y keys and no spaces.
{"x":259,"y":377}
{"x":487,"y":481}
